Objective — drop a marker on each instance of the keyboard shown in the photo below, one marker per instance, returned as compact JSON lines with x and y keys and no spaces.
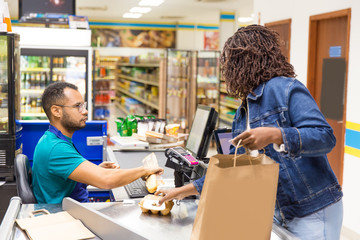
{"x":136,"y":189}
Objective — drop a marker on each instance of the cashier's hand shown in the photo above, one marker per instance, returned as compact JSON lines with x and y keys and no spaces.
{"x":258,"y":138}
{"x":150,"y":171}
{"x":109,"y":165}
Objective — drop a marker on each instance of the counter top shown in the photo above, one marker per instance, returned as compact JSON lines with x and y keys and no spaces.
{"x":128,"y":219}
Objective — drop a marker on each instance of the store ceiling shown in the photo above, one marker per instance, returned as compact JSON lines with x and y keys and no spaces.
{"x":184,"y":11}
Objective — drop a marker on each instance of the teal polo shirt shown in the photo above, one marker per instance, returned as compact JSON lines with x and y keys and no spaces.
{"x":54,"y":160}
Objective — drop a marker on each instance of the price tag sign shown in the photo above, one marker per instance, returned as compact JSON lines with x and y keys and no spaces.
{"x":78,"y":22}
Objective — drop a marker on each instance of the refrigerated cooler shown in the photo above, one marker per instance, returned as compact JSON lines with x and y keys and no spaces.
{"x":207,"y":78}
{"x":178,"y":88}
{"x":41,"y":67}
{"x":10,"y":133}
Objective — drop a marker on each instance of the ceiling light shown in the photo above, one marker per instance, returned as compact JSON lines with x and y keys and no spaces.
{"x":150,"y":2}
{"x":245,"y":19}
{"x":140,"y":10}
{"x":132,"y":15}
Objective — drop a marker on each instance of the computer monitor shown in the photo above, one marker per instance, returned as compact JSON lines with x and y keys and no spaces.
{"x":222,"y":137}
{"x":201,"y":131}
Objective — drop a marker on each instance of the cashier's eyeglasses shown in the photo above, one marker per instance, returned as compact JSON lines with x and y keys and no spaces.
{"x":80,"y":106}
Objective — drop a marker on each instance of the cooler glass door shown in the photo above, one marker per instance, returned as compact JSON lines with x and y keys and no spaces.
{"x":4,"y":101}
{"x":208,"y":78}
{"x":178,"y":80}
{"x":70,"y":69}
{"x":35,"y":76}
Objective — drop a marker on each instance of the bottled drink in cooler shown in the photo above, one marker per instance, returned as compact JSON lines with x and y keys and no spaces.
{"x":37,"y":81}
{"x":38,"y":105}
{"x":32,"y":81}
{"x":23,"y":80}
{"x":61,"y":62}
{"x":39,"y":60}
{"x":56,"y":62}
{"x":43,"y":80}
{"x":27,"y":81}
{"x":45,"y":62}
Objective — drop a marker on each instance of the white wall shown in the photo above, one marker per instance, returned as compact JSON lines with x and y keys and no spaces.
{"x":189,"y":39}
{"x":299,"y":12}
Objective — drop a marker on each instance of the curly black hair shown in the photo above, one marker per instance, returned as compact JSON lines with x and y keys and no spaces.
{"x":250,"y":57}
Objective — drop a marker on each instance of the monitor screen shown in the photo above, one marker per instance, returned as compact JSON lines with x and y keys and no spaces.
{"x":40,"y":10}
{"x":201,"y":131}
{"x":222,"y":137}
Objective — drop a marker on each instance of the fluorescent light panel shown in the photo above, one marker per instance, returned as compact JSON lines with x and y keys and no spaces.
{"x":132,"y":15}
{"x":150,"y":2}
{"x":140,"y":10}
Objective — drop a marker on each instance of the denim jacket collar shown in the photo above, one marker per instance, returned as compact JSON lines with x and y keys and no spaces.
{"x":258,"y":92}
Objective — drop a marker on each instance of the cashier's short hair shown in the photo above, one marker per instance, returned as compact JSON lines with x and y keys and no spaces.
{"x":54,"y":94}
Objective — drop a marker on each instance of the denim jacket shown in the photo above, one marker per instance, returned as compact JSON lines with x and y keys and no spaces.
{"x":306,"y":180}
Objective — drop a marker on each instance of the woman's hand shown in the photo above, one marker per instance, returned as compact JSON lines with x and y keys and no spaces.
{"x":258,"y":138}
{"x":109,"y":165}
{"x":176,"y":193}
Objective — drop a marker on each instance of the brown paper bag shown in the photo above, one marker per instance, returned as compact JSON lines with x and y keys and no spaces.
{"x":57,"y":226}
{"x":237,"y":202}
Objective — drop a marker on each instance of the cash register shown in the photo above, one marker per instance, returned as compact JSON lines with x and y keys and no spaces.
{"x":190,"y":162}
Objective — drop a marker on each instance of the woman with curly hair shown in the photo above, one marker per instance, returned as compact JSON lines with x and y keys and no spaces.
{"x":278,"y":114}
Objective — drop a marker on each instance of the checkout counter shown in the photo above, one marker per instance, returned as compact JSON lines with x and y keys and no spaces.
{"x":122,"y":219}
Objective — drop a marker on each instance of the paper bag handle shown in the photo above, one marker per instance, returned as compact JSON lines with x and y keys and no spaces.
{"x":238,"y":145}
{"x":44,"y":211}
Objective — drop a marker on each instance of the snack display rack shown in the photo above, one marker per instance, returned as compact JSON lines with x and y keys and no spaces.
{"x":227,"y":106}
{"x":104,"y":85}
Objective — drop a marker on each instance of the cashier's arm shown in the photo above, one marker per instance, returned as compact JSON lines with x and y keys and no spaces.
{"x":108,"y":178}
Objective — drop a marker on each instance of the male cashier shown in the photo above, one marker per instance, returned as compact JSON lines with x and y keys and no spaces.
{"x":59,"y":170}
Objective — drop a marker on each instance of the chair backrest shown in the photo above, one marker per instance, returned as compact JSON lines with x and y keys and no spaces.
{"x":23,"y":174}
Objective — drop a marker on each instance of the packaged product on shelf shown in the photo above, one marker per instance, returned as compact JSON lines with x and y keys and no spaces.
{"x":151,"y":124}
{"x":131,"y":124}
{"x":172,"y":129}
{"x":150,"y":117}
{"x":142,"y":126}
{"x":160,"y":125}
{"x":121,"y":126}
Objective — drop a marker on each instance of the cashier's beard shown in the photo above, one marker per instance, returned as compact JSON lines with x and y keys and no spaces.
{"x":71,"y":124}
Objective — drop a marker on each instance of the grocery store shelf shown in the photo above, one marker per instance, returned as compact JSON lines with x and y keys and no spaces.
{"x":33,"y":115}
{"x":35,"y":70}
{"x":226,"y":119}
{"x":139,"y":64}
{"x":63,"y":70}
{"x":111,"y":67}
{"x":230,"y":105}
{"x":222,"y":90}
{"x":105,"y":78}
{"x":31,"y":91}
{"x":150,"y":104}
{"x":122,"y":108}
{"x":138,"y":80}
{"x":102,"y":104}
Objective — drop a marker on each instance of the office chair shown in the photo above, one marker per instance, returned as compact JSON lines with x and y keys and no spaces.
{"x":23,"y":174}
